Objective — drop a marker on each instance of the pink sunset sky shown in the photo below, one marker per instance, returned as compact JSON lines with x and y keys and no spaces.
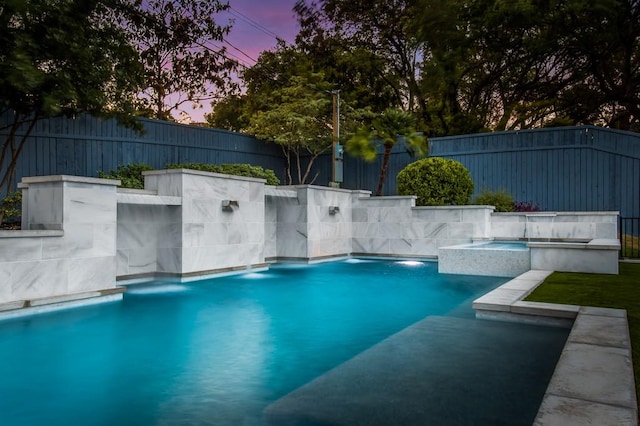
{"x":275,"y":16}
{"x":254,"y":26}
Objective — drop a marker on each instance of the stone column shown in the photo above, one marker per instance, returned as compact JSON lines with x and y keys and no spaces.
{"x":222,"y":222}
{"x":68,"y":245}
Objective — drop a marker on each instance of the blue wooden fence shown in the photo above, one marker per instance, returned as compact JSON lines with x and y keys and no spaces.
{"x":568,"y":168}
{"x":85,"y":145}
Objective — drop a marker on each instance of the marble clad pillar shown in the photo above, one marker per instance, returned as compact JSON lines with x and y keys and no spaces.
{"x":313,"y":222}
{"x":68,"y":243}
{"x":222,"y":223}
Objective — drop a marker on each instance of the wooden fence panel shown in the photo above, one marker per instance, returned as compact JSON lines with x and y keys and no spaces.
{"x":86,"y":145}
{"x":567,"y":168}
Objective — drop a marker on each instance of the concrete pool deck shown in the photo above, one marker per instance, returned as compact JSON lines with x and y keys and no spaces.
{"x":593,"y":382}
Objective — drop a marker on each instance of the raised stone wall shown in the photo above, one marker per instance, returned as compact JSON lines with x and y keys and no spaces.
{"x":80,"y":233}
{"x":566,"y":226}
{"x":222,"y":221}
{"x":68,"y":242}
{"x":393,"y":226}
{"x":147,"y":225}
{"x":309,"y":222}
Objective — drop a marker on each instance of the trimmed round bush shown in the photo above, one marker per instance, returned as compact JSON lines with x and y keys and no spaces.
{"x":436,"y":182}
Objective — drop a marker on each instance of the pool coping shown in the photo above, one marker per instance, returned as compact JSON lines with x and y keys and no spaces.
{"x":593,"y":382}
{"x":25,"y":308}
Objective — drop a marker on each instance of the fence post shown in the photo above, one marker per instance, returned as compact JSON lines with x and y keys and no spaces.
{"x":620,"y":236}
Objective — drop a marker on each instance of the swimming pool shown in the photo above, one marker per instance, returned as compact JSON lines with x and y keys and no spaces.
{"x":500,"y":245}
{"x":222,"y":350}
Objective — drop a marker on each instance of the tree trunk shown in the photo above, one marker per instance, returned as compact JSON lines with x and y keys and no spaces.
{"x":9,"y":175}
{"x":298,"y":167}
{"x":385,"y":167}
{"x":307,"y":171}
{"x":287,"y":157}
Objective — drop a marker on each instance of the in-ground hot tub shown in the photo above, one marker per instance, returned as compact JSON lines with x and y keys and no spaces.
{"x":495,"y":258}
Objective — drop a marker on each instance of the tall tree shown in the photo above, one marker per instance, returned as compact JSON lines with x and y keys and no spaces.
{"x":177,"y":44}
{"x":529,"y":63}
{"x":60,"y":57}
{"x":386,"y":129}
{"x":602,"y":41}
{"x":228,"y":113}
{"x":378,"y":33}
{"x":298,"y":120}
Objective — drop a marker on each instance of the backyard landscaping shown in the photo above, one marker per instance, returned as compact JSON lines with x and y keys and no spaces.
{"x":607,"y":291}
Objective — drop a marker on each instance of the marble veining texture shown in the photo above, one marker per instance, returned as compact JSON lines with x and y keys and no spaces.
{"x":198,"y":236}
{"x":216,"y":239}
{"x":141,"y":231}
{"x":563,"y":225}
{"x":46,"y":211}
{"x":82,"y":258}
{"x":575,"y":260}
{"x":327,"y":234}
{"x":412,"y":231}
{"x":102,"y":238}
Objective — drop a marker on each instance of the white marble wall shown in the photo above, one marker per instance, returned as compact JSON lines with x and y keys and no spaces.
{"x":567,"y":226}
{"x":393,"y":226}
{"x":147,"y":224}
{"x":68,"y":242}
{"x":271,"y":222}
{"x":303,"y":224}
{"x":290,"y":227}
{"x":209,"y":238}
{"x":80,"y":233}
{"x":329,"y":221}
{"x":598,"y":256}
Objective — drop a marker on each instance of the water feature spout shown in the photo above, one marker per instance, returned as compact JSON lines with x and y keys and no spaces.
{"x":227,"y":205}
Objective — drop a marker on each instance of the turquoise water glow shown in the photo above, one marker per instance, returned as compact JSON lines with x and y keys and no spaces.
{"x":219,"y":351}
{"x":500,"y":245}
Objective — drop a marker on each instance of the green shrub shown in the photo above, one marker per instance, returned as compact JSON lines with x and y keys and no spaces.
{"x":246,"y":170}
{"x":11,"y":207}
{"x":436,"y":181}
{"x":502,"y":200}
{"x":130,"y":175}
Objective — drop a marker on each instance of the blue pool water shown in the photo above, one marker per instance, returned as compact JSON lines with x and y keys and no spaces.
{"x":500,"y":245}
{"x":219,"y":351}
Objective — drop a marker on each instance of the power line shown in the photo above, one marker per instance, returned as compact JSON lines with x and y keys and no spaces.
{"x":226,"y":55}
{"x":253,"y":23}
{"x":213,"y":48}
{"x":240,"y":50}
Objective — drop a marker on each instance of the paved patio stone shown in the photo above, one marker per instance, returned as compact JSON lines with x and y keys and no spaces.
{"x":561,"y":411}
{"x":603,"y":331}
{"x":594,"y":373}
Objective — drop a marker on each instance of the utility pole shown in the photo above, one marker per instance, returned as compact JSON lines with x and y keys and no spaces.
{"x":337,"y":150}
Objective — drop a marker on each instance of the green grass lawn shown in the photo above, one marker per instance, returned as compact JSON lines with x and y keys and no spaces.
{"x":607,"y":291}
{"x":630,"y":246}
